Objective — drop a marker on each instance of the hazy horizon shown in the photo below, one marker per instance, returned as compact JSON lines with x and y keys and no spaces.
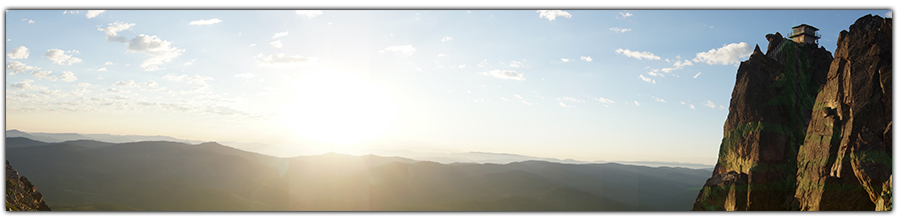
{"x":626,"y":85}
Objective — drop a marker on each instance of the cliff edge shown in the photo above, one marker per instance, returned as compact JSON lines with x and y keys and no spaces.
{"x":21,"y":195}
{"x":791,"y":141}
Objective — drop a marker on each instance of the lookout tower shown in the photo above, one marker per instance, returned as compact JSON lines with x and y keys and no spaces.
{"x":805,"y":34}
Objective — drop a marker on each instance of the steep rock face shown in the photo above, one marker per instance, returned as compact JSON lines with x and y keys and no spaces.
{"x":769,"y":112}
{"x":845,"y":161}
{"x":21,"y":195}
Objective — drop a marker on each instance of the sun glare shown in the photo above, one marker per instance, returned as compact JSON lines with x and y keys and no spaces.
{"x":339,"y":109}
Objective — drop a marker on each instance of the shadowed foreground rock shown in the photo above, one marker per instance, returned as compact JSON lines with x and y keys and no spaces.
{"x":20,"y":194}
{"x":793,"y":133}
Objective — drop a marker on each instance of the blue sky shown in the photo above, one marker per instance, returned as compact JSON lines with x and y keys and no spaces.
{"x":573,"y":84}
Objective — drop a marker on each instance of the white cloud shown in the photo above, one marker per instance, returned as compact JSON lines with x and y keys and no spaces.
{"x":681,"y":102}
{"x":20,"y":52}
{"x":68,"y":76}
{"x":113,"y":29}
{"x":405,"y":49}
{"x":504,"y":99}
{"x":43,"y":75}
{"x":604,"y":100}
{"x":446,"y":38}
{"x":646,"y":79}
{"x":309,"y":13}
{"x":505,"y":74}
{"x":637,"y":54}
{"x":709,"y":104}
{"x":173,"y":77}
{"x":30,"y":21}
{"x":190,"y":62}
{"x":14,"y":67}
{"x":203,"y":22}
{"x":620,"y":30}
{"x":161,"y":50}
{"x":552,"y":14}
{"x":102,"y":69}
{"x":698,"y":74}
{"x":623,"y":15}
{"x":108,"y":63}
{"x":245,"y":75}
{"x":516,"y":64}
{"x":588,"y":59}
{"x":252,"y":45}
{"x":659,"y":99}
{"x":151,"y":85}
{"x":83,"y":84}
{"x":728,"y":54}
{"x":527,"y":103}
{"x":483,"y":63}
{"x":692,"y":106}
{"x":93,"y":13}
{"x":59,"y":57}
{"x":276,"y":44}
{"x":481,"y":100}
{"x":128,"y":84}
{"x":279,"y":35}
{"x":114,"y":90}
{"x":518,"y":96}
{"x":565,"y":106}
{"x":570,"y":99}
{"x":636,"y":103}
{"x":441,"y":55}
{"x":80,"y":91}
{"x":564,"y":60}
{"x":25,"y":85}
{"x":280,"y":60}
{"x":655,"y":74}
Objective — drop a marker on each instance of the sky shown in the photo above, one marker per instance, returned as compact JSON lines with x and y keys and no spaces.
{"x":590,"y":85}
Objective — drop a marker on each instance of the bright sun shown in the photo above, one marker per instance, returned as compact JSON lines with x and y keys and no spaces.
{"x":338,"y":109}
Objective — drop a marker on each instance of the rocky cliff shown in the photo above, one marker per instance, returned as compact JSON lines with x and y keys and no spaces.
{"x":791,"y":141}
{"x":21,"y":195}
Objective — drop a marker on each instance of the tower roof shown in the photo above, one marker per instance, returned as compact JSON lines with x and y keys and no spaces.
{"x":811,"y":27}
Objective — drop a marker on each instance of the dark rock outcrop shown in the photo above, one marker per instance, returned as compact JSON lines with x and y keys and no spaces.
{"x":21,"y":195}
{"x":846,"y":158}
{"x":791,"y":130}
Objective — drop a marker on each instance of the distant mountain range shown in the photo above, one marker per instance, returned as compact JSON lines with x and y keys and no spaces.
{"x":446,"y":158}
{"x":175,"y":176}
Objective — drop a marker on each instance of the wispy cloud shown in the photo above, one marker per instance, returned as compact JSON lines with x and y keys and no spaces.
{"x":619,"y":30}
{"x":309,"y":13}
{"x":20,"y":52}
{"x":276,"y":44}
{"x":698,"y":74}
{"x":205,"y":22}
{"x":604,"y":100}
{"x":14,"y":67}
{"x":113,"y":29}
{"x":45,"y":74}
{"x":404,"y":49}
{"x":279,"y":35}
{"x":646,"y":79}
{"x":446,"y":38}
{"x":564,"y":60}
{"x":505,"y":74}
{"x":709,"y":104}
{"x":161,"y":50}
{"x":637,"y":54}
{"x":68,"y":76}
{"x":59,"y":57}
{"x":623,"y":15}
{"x":727,"y":54}
{"x":565,"y":105}
{"x":570,"y":99}
{"x":93,"y":13}
{"x":588,"y":59}
{"x":637,"y":103}
{"x":25,"y":85}
{"x":552,"y":14}
{"x":659,"y":99}
{"x":281,"y":60}
{"x":516,"y":64}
